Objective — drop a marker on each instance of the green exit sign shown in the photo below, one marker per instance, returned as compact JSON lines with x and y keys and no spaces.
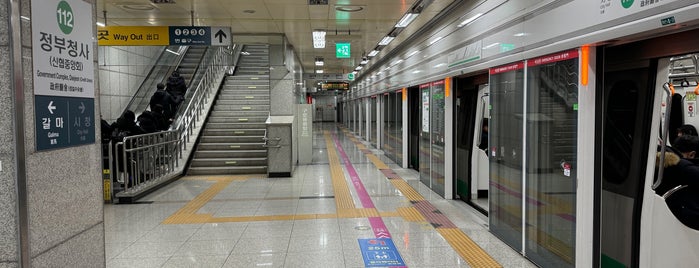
{"x":350,"y":76}
{"x":342,"y":50}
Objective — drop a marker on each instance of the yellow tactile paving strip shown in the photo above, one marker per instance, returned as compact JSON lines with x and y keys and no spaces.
{"x":467,"y":249}
{"x":343,"y":197}
{"x":460,"y":242}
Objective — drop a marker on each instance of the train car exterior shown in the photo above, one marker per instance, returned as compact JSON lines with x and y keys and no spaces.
{"x":548,"y":110}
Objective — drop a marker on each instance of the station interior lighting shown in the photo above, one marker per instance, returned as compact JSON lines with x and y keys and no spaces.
{"x":318,"y":39}
{"x":364,"y":61}
{"x":469,"y":20}
{"x":386,"y":40}
{"x":406,"y":20}
{"x":373,"y":53}
{"x":320,"y":71}
{"x":319,"y":61}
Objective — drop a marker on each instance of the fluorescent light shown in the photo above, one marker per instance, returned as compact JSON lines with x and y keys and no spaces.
{"x":320,"y":63}
{"x":245,"y":53}
{"x":387,"y":68}
{"x":354,"y":72}
{"x":173,"y":52}
{"x":520,"y":34}
{"x":318,"y":39}
{"x":413,"y":53}
{"x":364,"y":61}
{"x":24,"y":18}
{"x":439,"y":65}
{"x":436,"y":40}
{"x":386,"y":40}
{"x":319,"y":71}
{"x":469,"y":20}
{"x":100,"y":24}
{"x":358,"y":68}
{"x":396,"y":62}
{"x":417,"y":71}
{"x":406,"y":20}
{"x":373,"y":53}
{"x":491,"y":45}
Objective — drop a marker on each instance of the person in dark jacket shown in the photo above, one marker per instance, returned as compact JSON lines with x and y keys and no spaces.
{"x":684,"y":203}
{"x":125,"y":126}
{"x":165,"y":100}
{"x":688,"y":146}
{"x":177,"y":86}
{"x":687,"y":130}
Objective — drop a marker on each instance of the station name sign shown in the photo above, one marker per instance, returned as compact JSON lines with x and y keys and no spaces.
{"x":163,"y":36}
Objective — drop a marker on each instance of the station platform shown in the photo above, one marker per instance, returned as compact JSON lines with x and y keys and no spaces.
{"x":351,"y":207}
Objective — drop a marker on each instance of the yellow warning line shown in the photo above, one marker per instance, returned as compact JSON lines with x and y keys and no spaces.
{"x":343,"y":197}
{"x":467,"y":249}
{"x":407,"y":190}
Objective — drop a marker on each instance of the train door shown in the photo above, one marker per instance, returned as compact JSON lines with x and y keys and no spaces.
{"x":374,"y":121}
{"x":637,"y":227}
{"x":471,"y":162}
{"x":414,"y":126}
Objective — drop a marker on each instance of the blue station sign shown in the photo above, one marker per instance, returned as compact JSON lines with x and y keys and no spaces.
{"x":64,"y":121}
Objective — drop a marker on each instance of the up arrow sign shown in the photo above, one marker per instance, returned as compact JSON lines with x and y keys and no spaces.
{"x":220,"y":36}
{"x":51,"y":107}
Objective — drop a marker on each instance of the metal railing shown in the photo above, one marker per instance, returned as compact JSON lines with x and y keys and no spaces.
{"x":143,"y":162}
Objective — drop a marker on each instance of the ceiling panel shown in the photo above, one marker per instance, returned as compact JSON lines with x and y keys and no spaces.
{"x":294,"y":18}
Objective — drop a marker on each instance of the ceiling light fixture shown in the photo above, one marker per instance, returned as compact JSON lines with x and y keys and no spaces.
{"x":406,"y":20}
{"x":413,"y":53}
{"x":364,"y":61}
{"x":358,"y":68}
{"x":319,"y":61}
{"x":491,"y":45}
{"x":436,"y":40}
{"x":469,"y":20}
{"x":319,"y":71}
{"x":100,"y":24}
{"x":386,"y":40}
{"x":373,"y":53}
{"x":318,"y":39}
{"x":349,"y":8}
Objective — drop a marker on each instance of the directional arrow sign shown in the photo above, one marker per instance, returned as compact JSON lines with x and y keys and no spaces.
{"x":51,"y":107}
{"x":82,"y":107}
{"x":221,"y":36}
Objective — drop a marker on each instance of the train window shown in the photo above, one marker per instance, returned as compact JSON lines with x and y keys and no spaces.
{"x":619,"y":130}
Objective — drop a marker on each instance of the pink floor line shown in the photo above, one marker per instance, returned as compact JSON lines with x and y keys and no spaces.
{"x":377,"y":224}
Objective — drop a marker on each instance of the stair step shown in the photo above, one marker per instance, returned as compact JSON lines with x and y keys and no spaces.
{"x":241,"y":114}
{"x":233,"y":132}
{"x":251,"y":119}
{"x":216,"y":154}
{"x":242,"y":108}
{"x":242,"y":102}
{"x":229,"y":162}
{"x":231,"y":139}
{"x":230,"y":146}
{"x":227,"y":170}
{"x":236,"y":96}
{"x":236,"y":125}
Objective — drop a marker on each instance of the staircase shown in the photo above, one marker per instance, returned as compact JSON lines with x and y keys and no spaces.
{"x":232,"y":139}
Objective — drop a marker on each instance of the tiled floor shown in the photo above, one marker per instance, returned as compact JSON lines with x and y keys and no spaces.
{"x":291,"y":222}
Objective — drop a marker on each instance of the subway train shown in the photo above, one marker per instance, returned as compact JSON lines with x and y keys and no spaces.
{"x":547,"y":117}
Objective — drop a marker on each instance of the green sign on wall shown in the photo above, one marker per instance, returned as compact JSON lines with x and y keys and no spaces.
{"x":342,"y":50}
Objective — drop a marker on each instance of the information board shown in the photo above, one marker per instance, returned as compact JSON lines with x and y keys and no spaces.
{"x":163,"y":36}
{"x":63,"y":73}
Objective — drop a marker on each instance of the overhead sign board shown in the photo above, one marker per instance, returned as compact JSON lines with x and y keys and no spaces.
{"x":63,"y":63}
{"x":133,"y":36}
{"x":312,"y":76}
{"x":342,"y":50}
{"x":163,"y":36}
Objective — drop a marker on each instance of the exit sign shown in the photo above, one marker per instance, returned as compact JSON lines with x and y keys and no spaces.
{"x":350,"y":76}
{"x":342,"y":50}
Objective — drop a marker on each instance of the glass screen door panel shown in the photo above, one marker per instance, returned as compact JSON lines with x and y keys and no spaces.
{"x":437,"y":130}
{"x":505,"y":149}
{"x":397,"y":129}
{"x":424,"y":148}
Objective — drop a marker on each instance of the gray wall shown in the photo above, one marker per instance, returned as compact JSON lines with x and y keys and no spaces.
{"x":8,"y":196}
{"x":63,"y":187}
{"x":121,"y":70}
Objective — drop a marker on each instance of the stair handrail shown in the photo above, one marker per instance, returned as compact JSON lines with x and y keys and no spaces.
{"x":145,"y":89}
{"x":222,"y":61}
